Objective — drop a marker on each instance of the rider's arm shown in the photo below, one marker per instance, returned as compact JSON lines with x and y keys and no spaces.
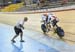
{"x":43,"y":19}
{"x":21,"y":26}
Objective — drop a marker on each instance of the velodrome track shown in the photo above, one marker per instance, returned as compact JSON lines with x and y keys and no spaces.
{"x":67,"y":22}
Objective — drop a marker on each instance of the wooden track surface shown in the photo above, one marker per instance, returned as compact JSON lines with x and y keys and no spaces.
{"x":67,"y":22}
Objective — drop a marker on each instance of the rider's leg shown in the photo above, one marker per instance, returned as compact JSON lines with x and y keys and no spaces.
{"x":54,"y":24}
{"x":48,"y":26}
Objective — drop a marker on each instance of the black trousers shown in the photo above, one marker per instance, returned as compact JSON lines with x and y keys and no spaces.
{"x":17,"y":30}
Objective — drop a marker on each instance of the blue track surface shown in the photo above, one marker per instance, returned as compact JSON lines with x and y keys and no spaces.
{"x":30,"y":45}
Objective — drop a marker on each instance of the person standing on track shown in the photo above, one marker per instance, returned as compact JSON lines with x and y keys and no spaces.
{"x":18,"y":29}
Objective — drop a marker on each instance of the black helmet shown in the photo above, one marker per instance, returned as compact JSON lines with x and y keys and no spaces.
{"x":25,"y":18}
